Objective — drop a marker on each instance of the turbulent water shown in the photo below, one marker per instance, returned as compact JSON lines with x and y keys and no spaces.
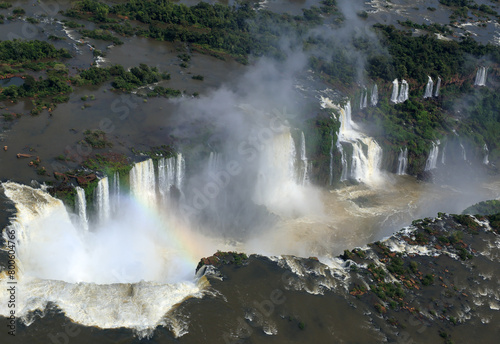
{"x":126,"y":273}
{"x":366,"y":155}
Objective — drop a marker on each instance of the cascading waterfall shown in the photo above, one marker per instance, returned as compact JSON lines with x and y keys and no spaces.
{"x":279,"y":175}
{"x":443,"y":154}
{"x":402,"y":161}
{"x":81,"y":208}
{"x":116,"y":192}
{"x":330,"y":182}
{"x":343,"y":160}
{"x":142,"y":183}
{"x":214,"y":161}
{"x":363,"y":100}
{"x":166,"y":177}
{"x":171,"y":174}
{"x":367,"y":154}
{"x":366,"y":165}
{"x":428,"y":88}
{"x":486,"y":161}
{"x":403,"y":92}
{"x":133,"y":265}
{"x":480,"y":77}
{"x":180,"y":171}
{"x":464,"y":154}
{"x":374,"y":96}
{"x":304,"y":168}
{"x":438,"y":86}
{"x":102,"y":200}
{"x":395,"y":90}
{"x":433,"y":156}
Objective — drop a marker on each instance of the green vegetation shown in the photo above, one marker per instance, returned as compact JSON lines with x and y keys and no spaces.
{"x":434,"y":27}
{"x":5,"y":5}
{"x":484,"y":208}
{"x":96,"y":139}
{"x":109,"y":164}
{"x":18,"y":11}
{"x":101,"y":34}
{"x":21,"y":51}
{"x":198,"y":77}
{"x":125,"y":80}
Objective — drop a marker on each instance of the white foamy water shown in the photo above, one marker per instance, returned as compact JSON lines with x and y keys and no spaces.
{"x":129,"y":273}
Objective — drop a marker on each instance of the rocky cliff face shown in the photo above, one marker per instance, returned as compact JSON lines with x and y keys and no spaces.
{"x":431,"y":282}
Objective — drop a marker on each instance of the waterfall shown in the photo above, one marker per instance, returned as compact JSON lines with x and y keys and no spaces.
{"x":443,"y":154}
{"x":464,"y":154}
{"x":367,"y":154}
{"x":366,"y":165}
{"x":343,"y":160}
{"x":166,"y":177}
{"x":433,"y":156}
{"x":81,"y":208}
{"x":123,"y":269}
{"x":486,"y":161}
{"x":142,"y":183}
{"x":438,"y":86}
{"x":395,"y":90}
{"x":171,"y":173}
{"x":363,"y":100}
{"x":116,"y":191}
{"x":180,"y":171}
{"x":428,"y":88}
{"x":102,"y":199}
{"x":374,"y":96}
{"x":402,"y":161}
{"x":403,"y":92}
{"x":214,"y":162}
{"x":331,"y":160}
{"x":277,"y":177}
{"x":304,"y":168}
{"x":480,"y":77}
